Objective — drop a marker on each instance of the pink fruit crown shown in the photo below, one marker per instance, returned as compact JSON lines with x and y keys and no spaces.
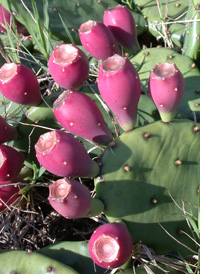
{"x":61,"y":154}
{"x":19,"y":84}
{"x":70,"y":198}
{"x":110,"y":245}
{"x":119,"y":86}
{"x":69,"y":66}
{"x":98,"y":40}
{"x":166,"y":87}
{"x":86,"y":122}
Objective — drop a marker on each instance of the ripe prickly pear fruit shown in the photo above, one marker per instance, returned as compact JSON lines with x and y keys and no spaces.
{"x":110,"y":246}
{"x":19,"y":84}
{"x":119,"y":85}
{"x":166,"y":87}
{"x":8,"y":193}
{"x":7,"y":132}
{"x":5,"y":17}
{"x":122,"y":25}
{"x":11,"y":162}
{"x":61,"y":154}
{"x":86,"y":122}
{"x":70,"y":198}
{"x":98,"y":40}
{"x":69,"y":66}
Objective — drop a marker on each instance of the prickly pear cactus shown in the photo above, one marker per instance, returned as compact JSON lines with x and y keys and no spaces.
{"x":192,"y":32}
{"x":146,"y":59}
{"x":73,"y":254}
{"x":22,"y":262}
{"x":153,"y":168}
{"x":77,"y":12}
{"x":157,"y":13}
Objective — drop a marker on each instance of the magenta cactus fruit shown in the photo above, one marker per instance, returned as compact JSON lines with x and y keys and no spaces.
{"x":69,"y":66}
{"x":70,"y":198}
{"x":98,"y":40}
{"x":166,"y":87}
{"x":9,"y":192}
{"x":5,"y":18}
{"x":110,"y":245}
{"x":11,"y":162}
{"x":119,"y":86}
{"x":7,"y":132}
{"x":19,"y":84}
{"x":86,"y":122}
{"x":61,"y":154}
{"x":122,"y":24}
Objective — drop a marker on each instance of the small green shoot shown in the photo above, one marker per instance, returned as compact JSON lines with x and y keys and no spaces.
{"x":43,"y":41}
{"x":34,"y":180}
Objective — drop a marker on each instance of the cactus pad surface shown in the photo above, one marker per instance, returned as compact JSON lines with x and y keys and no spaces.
{"x":21,"y":262}
{"x":144,"y":174}
{"x":74,"y":254}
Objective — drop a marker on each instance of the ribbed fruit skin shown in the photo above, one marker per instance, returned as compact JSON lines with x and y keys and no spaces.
{"x":121,"y":235}
{"x":76,"y":203}
{"x":21,"y":86}
{"x":68,"y":74}
{"x":98,"y":40}
{"x":11,"y":162}
{"x":64,"y":155}
{"x":7,"y":132}
{"x":119,"y":86}
{"x":78,"y":114}
{"x":122,"y":25}
{"x":166,"y":87}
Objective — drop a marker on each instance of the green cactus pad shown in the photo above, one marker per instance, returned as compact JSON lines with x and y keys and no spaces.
{"x":73,"y":254}
{"x":191,"y":45}
{"x":141,"y":175}
{"x":156,"y":15}
{"x":146,"y":59}
{"x":21,"y":262}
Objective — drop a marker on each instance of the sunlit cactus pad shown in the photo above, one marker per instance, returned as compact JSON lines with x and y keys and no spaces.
{"x":22,"y":262}
{"x":144,"y":174}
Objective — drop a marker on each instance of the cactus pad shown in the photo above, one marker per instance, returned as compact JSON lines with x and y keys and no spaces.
{"x":74,"y":254}
{"x":21,"y":262}
{"x":144,"y":174}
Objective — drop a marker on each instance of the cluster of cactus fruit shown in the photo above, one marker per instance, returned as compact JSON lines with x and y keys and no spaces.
{"x":143,"y":177}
